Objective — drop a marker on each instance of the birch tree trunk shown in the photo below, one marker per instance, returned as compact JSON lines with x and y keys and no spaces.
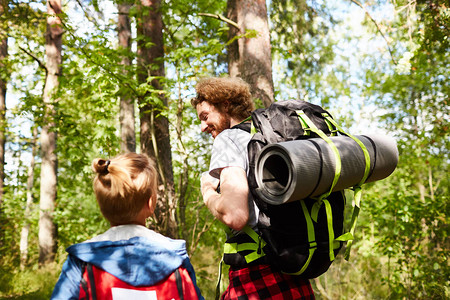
{"x":3,"y":81}
{"x":26,"y":225}
{"x":154,"y":134}
{"x":49,"y":166}
{"x":250,"y":58}
{"x":127,"y":125}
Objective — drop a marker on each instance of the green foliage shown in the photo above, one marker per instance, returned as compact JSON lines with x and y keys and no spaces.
{"x":401,"y":246}
{"x":195,"y":47}
{"x":304,"y":48}
{"x":411,"y":217}
{"x":31,"y":284}
{"x":410,"y":208}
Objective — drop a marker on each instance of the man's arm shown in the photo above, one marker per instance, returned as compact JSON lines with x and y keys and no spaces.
{"x":231,"y":205}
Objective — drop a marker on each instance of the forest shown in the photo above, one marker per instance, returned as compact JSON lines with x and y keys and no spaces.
{"x":82,"y":79}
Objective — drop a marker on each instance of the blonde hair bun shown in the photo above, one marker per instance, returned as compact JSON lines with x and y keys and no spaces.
{"x":100,"y":165}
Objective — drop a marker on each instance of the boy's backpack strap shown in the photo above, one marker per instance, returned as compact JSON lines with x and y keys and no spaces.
{"x":92,"y":281}
{"x":88,"y":285}
{"x":179,"y":282}
{"x":83,"y":283}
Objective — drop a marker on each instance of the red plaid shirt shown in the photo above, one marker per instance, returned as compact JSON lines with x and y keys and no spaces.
{"x":263,"y":282}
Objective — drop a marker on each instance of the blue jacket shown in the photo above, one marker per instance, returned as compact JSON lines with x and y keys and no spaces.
{"x":143,"y":259}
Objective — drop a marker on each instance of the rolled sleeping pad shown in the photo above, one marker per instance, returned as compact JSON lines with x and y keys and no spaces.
{"x":295,"y":170}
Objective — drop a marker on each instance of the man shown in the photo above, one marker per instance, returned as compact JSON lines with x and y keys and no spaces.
{"x":223,"y":106}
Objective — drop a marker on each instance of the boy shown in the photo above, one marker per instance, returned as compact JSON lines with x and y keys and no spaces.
{"x":129,"y":260}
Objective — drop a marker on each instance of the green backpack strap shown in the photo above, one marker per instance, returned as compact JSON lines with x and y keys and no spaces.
{"x":333,"y":243}
{"x":256,"y":246}
{"x":311,"y":238}
{"x":363,"y":147}
{"x":304,"y":119}
{"x":333,"y":129}
{"x":357,"y":188}
{"x":252,"y":128}
{"x":308,"y":125}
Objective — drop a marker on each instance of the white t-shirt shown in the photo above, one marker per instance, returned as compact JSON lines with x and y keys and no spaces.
{"x":230,"y":150}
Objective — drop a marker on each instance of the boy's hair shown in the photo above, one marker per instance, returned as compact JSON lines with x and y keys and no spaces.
{"x":123,"y":185}
{"x":231,"y":93}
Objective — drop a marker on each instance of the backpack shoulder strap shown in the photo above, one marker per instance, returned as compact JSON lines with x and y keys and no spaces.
{"x":84,"y":283}
{"x":179,"y":283}
{"x":244,"y":125}
{"x":88,"y":284}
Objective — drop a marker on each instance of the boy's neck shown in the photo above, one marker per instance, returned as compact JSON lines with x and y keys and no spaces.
{"x":142,"y":223}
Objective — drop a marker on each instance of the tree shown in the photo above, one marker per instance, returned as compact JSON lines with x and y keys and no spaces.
{"x":29,"y":201}
{"x":409,"y":209}
{"x":127,"y":126}
{"x":48,"y":188}
{"x":250,"y":57}
{"x":155,"y":139}
{"x":304,"y":48}
{"x":3,"y":81}
{"x":402,"y":233}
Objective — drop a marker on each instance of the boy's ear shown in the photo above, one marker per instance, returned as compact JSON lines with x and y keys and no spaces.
{"x":152,"y":204}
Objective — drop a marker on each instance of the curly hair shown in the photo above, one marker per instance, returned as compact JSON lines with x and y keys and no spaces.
{"x":123,"y":185}
{"x":225,"y":93}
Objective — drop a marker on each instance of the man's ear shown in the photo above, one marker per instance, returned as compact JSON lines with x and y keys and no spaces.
{"x":226,"y":104}
{"x":222,"y":107}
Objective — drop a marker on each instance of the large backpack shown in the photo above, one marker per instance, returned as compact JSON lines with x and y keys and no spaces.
{"x":300,"y":237}
{"x":99,"y":284}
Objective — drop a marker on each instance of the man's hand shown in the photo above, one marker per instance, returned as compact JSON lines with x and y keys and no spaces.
{"x":231,"y":205}
{"x":208,"y":184}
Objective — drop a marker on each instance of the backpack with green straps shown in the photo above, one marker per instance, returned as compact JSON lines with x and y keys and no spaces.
{"x":299,"y":237}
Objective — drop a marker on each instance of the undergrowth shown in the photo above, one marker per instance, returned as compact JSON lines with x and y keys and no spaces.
{"x":33,"y":283}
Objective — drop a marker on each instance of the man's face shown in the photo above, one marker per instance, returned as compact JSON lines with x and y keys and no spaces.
{"x":212,"y":120}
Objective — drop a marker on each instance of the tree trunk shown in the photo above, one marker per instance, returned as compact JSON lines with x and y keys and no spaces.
{"x":250,"y":58}
{"x":155,"y":139}
{"x":26,"y":225}
{"x":3,"y":80}
{"x":184,"y":175}
{"x":127,"y":126}
{"x":49,"y":166}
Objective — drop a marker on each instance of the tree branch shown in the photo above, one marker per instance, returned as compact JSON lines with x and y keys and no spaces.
{"x":42,"y":65}
{"x":89,"y":58}
{"x":86,"y":14}
{"x":378,"y":28}
{"x":222,"y":18}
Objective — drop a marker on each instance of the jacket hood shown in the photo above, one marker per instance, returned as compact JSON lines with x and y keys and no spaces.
{"x":138,"y":261}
